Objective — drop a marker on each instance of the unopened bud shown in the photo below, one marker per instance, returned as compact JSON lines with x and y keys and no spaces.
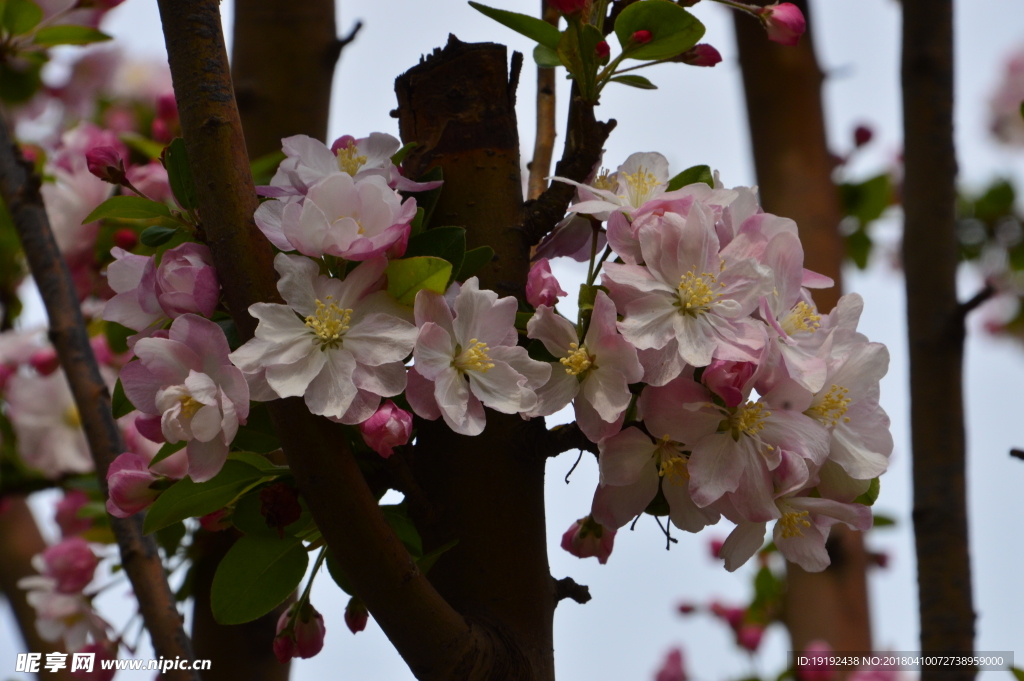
{"x":356,"y":615}
{"x":602,"y":50}
{"x":106,"y":164}
{"x":642,"y":37}
{"x":701,"y":55}
{"x":568,"y":7}
{"x":126,"y":238}
{"x":785,"y":22}
{"x":862,"y":135}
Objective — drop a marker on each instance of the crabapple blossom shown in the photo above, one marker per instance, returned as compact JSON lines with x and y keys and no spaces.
{"x":466,"y":358}
{"x":106,"y":164}
{"x":189,"y":390}
{"x":642,"y":177}
{"x":388,"y":428}
{"x":595,"y":374}
{"x":338,"y":343}
{"x":67,"y":616}
{"x":47,"y":424}
{"x":187,"y":282}
{"x":300,"y":633}
{"x":586,"y":537}
{"x":356,"y":615}
{"x":784,"y":21}
{"x":568,"y":7}
{"x":541,"y":286}
{"x":71,"y":563}
{"x":67,"y":510}
{"x":701,"y":54}
{"x":130,"y":482}
{"x":151,"y":180}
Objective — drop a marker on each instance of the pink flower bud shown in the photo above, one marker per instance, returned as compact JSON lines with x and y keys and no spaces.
{"x":187,"y":281}
{"x":106,"y":164}
{"x":749,"y":636}
{"x":728,"y":379}
{"x":541,"y":286}
{"x":343,"y":142}
{"x":602,"y":50}
{"x":732,"y":616}
{"x":642,"y":37}
{"x":816,"y":671}
{"x":881,"y":559}
{"x":586,"y":537}
{"x":129,"y":483}
{"x":701,"y":55}
{"x":356,"y":615}
{"x":300,"y":633}
{"x":67,"y":513}
{"x":862,"y":134}
{"x":686,"y":608}
{"x":388,"y":428}
{"x":715,"y":546}
{"x":167,"y":107}
{"x":672,"y":668}
{"x":126,"y":238}
{"x":568,"y":7}
{"x":785,"y":22}
{"x":216,"y":521}
{"x":44,"y":361}
{"x":72,"y":563}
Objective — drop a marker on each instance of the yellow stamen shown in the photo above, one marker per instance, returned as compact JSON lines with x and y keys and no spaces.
{"x":475,"y":358}
{"x":674,"y":469}
{"x":640,"y":185}
{"x":603,"y":181}
{"x":189,"y":406}
{"x":832,"y":406}
{"x":329,"y":323}
{"x":749,"y":419}
{"x":792,"y":524}
{"x":349,"y":160}
{"x":696,"y":293}
{"x":803,"y":317}
{"x":577,"y":361}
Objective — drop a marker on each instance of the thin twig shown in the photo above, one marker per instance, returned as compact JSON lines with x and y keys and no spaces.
{"x":565,"y":438}
{"x":19,"y":188}
{"x":544,"y":144}
{"x":1017,"y":453}
{"x":968,"y":306}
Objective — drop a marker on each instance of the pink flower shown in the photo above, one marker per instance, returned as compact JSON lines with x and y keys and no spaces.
{"x":106,"y":164}
{"x":672,"y":668}
{"x":568,"y":7}
{"x":47,"y":424}
{"x":388,"y":428}
{"x":701,"y":55}
{"x":749,"y":636}
{"x":785,"y":22}
{"x":151,"y":180}
{"x":130,"y":485}
{"x":818,"y":668}
{"x":187,"y":282}
{"x":71,"y":563}
{"x":67,"y":513}
{"x":187,"y":383}
{"x":729,"y":380}
{"x":356,"y":615}
{"x":586,"y":537}
{"x":541,"y":286}
{"x":300,"y":633}
{"x":572,"y":237}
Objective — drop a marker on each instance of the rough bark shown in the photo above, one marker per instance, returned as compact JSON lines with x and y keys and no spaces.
{"x":459,"y":106}
{"x":19,"y":541}
{"x":19,"y":189}
{"x":435,"y":640}
{"x":936,"y":333}
{"x":787,"y":128}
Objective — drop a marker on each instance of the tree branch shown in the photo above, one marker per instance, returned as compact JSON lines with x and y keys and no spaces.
{"x":566,"y":587}
{"x":1017,"y":453}
{"x":564,"y":438}
{"x":431,"y":636}
{"x":544,"y":144}
{"x":968,"y":306}
{"x":19,"y":189}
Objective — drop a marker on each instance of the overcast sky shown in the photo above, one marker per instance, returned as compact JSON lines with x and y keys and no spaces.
{"x":698,"y":117}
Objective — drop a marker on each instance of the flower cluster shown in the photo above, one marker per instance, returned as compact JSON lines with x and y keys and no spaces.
{"x":710,"y":381}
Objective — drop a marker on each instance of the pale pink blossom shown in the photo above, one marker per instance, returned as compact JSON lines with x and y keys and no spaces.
{"x":388,"y":428}
{"x":151,"y":179}
{"x":642,"y":177}
{"x":300,"y":633}
{"x":186,"y":281}
{"x":595,"y":374}
{"x":187,"y":384}
{"x":338,"y":343}
{"x":67,"y":616}
{"x":672,"y":668}
{"x":47,"y":424}
{"x":784,"y":21}
{"x":1007,"y":123}
{"x":729,"y":380}
{"x":541,"y":285}
{"x":587,"y":538}
{"x":466,"y":358}
{"x":67,"y":511}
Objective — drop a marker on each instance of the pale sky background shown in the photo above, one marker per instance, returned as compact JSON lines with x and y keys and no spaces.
{"x":698,"y":117}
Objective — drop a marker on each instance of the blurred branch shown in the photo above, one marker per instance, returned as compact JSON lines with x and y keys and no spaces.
{"x":1017,"y":453}
{"x":968,"y":306}
{"x":544,"y":144}
{"x":566,"y":587}
{"x":19,"y":188}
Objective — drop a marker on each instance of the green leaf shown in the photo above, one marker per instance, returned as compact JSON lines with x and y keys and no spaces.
{"x":188,"y":499}
{"x":165,"y":451}
{"x":692,"y":176}
{"x":858,"y":248}
{"x":545,"y":57}
{"x":258,"y":461}
{"x":398,"y":518}
{"x":18,"y":84}
{"x":117,"y":336}
{"x":69,"y":34}
{"x":255,"y":576}
{"x":400,"y":155}
{"x":179,"y":174}
{"x":264,"y":167}
{"x":883,"y":521}
{"x":128,"y":208}
{"x":867,"y":200}
{"x":533,"y":28}
{"x":673,"y":29}
{"x":169,"y":538}
{"x":427,"y":561}
{"x":157,"y":235}
{"x":258,"y":434}
{"x":409,"y":276}
{"x":1017,"y":672}
{"x":21,"y":16}
{"x":143,"y":145}
{"x":448,"y":243}
{"x":476,"y":259}
{"x":577,"y":51}
{"x":522,"y":319}
{"x":635,"y":81}
{"x":869,"y":497}
{"x":119,"y":403}
{"x":338,"y":576}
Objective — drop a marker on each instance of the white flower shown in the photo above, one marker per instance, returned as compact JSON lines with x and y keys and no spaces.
{"x":47,"y":424}
{"x":644,"y":176}
{"x":338,"y":343}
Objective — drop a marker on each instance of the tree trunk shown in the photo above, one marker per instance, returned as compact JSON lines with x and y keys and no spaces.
{"x":936,"y":327}
{"x":488,"y":491}
{"x":794,"y":172}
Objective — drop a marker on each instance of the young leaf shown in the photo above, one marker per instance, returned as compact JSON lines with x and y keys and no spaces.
{"x":635,"y":81}
{"x":179,"y":174}
{"x":400,"y":155}
{"x":533,"y":28}
{"x":143,"y":145}
{"x":673,"y":29}
{"x":448,"y":243}
{"x":545,"y":57}
{"x":475,"y":260}
{"x":187,"y":499}
{"x":869,"y":497}
{"x":21,"y":16}
{"x":408,"y":277}
{"x":165,"y":451}
{"x":157,"y":235}
{"x":119,"y":402}
{"x":117,"y":336}
{"x":255,"y":576}
{"x":692,"y":176}
{"x":128,"y":208}
{"x":68,"y":34}
{"x":427,"y":561}
{"x":264,"y":167}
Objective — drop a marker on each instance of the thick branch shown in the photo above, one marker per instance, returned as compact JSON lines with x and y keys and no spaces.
{"x":936,"y":333}
{"x":564,"y":438}
{"x":19,"y":189}
{"x":566,"y":587}
{"x":434,"y":640}
{"x":544,"y":144}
